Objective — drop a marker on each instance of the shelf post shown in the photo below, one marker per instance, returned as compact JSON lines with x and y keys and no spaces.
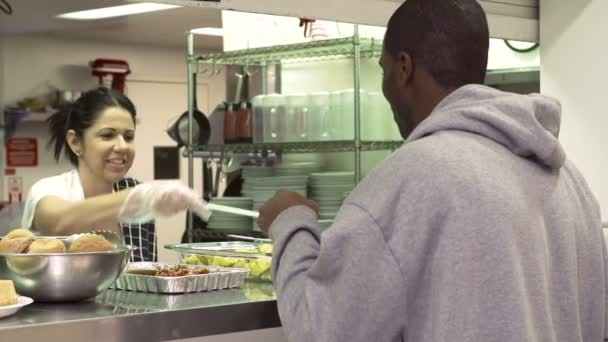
{"x":357,"y":86}
{"x":264,"y":71}
{"x":191,"y":70}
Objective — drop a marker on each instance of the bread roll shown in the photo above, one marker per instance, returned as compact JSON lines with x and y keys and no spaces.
{"x":50,"y":245}
{"x":14,"y":245}
{"x":20,"y":233}
{"x":91,"y":243}
{"x":8,"y":296}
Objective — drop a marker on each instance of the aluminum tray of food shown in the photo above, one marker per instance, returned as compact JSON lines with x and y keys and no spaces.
{"x":259,"y":267}
{"x":237,"y":249}
{"x":170,"y":278}
{"x":255,"y":257}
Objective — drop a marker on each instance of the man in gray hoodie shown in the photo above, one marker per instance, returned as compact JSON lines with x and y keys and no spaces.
{"x":477,"y":229}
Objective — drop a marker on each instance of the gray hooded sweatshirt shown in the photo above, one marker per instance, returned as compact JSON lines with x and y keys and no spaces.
{"x":477,"y":229}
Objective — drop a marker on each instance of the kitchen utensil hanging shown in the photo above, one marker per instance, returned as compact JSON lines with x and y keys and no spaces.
{"x":201,"y":131}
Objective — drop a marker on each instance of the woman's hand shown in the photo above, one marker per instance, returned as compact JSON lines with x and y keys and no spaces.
{"x":148,"y":201}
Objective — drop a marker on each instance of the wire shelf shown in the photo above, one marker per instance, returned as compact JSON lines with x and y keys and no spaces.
{"x":320,"y":50}
{"x":299,"y":147}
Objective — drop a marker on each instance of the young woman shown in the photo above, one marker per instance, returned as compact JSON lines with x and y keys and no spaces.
{"x":97,"y":135}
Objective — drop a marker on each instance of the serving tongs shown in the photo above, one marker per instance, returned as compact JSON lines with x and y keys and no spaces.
{"x":205,"y":211}
{"x":249,"y":238}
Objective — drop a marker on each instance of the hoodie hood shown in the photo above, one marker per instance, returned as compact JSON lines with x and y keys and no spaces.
{"x":527,"y":125}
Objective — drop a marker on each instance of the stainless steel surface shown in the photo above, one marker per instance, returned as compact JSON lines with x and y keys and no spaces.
{"x":117,"y":315}
{"x":357,"y":77}
{"x":237,"y":249}
{"x":220,"y":278}
{"x":191,"y":71}
{"x":63,"y":276}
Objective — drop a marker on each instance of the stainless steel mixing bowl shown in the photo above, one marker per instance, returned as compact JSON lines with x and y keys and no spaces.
{"x":63,"y":276}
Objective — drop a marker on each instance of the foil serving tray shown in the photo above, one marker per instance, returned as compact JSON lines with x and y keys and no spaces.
{"x":219,"y":278}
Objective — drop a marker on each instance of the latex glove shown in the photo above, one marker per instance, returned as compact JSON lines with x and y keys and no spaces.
{"x":148,"y":201}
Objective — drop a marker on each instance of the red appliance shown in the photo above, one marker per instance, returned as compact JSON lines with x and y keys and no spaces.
{"x":112,"y":73}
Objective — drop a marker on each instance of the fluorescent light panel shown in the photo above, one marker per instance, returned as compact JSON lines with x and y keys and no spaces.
{"x":116,"y":11}
{"x":209,"y":31}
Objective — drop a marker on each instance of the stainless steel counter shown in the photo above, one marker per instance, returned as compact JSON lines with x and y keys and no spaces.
{"x":117,"y":315}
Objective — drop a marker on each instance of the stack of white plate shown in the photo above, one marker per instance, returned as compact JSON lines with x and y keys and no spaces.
{"x":230,"y":223}
{"x":263,"y":188}
{"x":328,"y":188}
{"x":296,"y":169}
{"x":254,"y":171}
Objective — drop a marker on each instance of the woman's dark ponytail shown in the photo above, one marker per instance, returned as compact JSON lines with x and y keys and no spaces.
{"x":58,"y":127}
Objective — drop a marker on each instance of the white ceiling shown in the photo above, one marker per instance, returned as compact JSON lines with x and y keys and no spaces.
{"x":163,"y":28}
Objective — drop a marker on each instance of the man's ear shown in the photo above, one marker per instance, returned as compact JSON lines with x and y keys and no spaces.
{"x":405,"y":68}
{"x":74,"y":142}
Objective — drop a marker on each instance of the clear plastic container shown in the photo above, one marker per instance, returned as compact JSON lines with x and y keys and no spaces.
{"x":258,"y":103}
{"x":319,"y":127}
{"x":347,"y":111}
{"x":336,"y":117}
{"x":297,"y":117}
{"x":274,"y":118}
{"x":376,"y":119}
{"x":256,"y":257}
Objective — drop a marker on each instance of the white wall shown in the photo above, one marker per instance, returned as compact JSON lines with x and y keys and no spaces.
{"x":573,"y":58}
{"x":157,"y":85}
{"x":501,"y":57}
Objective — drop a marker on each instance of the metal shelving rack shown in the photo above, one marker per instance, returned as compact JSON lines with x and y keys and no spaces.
{"x":214,"y":151}
{"x":343,"y":48}
{"x":328,"y":49}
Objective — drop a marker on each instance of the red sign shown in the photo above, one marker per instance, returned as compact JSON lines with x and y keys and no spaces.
{"x":21,"y":152}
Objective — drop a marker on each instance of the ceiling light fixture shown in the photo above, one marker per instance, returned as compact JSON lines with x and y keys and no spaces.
{"x":116,"y":11}
{"x":209,"y":31}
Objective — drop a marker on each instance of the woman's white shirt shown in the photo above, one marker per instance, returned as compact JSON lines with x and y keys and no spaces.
{"x":65,"y":186}
{"x":68,"y":187}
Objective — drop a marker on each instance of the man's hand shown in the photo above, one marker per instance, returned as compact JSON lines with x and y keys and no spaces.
{"x":280,"y":202}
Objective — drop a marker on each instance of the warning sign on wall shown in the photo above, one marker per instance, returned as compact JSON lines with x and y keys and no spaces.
{"x":22,"y":152}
